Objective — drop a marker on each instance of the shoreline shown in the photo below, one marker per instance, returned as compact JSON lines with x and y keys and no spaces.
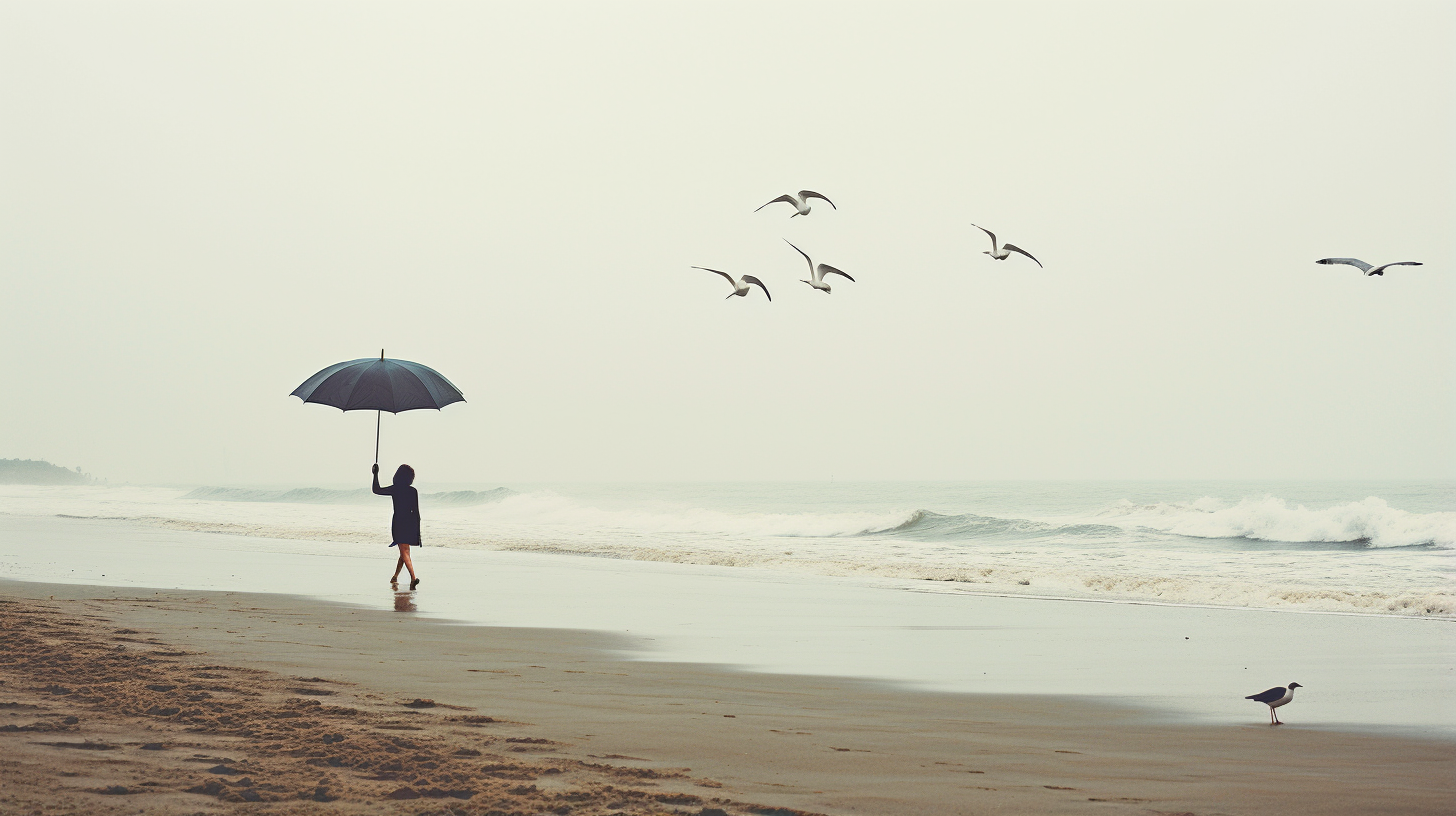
{"x":809,"y":743}
{"x":934,"y":586}
{"x":634,"y":650}
{"x":1183,"y":663}
{"x":1234,"y":563}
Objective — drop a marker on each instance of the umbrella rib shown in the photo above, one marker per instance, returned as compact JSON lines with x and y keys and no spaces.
{"x":310,"y":385}
{"x":436,"y":384}
{"x":365,"y":402}
{"x":397,"y":383}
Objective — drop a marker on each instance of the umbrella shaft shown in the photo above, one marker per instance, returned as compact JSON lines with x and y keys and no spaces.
{"x":378,"y":415}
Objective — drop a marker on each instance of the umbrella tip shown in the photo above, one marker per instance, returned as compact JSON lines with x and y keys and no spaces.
{"x":381,"y":354}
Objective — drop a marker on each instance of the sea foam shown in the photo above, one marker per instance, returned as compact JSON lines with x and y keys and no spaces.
{"x":1372,"y":522}
{"x":1387,"y":560}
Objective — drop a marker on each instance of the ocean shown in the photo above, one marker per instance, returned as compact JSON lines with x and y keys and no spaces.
{"x":1382,"y":548}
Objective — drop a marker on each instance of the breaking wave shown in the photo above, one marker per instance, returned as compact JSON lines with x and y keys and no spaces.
{"x":924,"y":525}
{"x":1371,"y":522}
{"x":1362,"y":556}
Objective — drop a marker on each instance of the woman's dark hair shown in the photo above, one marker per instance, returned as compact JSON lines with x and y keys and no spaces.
{"x":404,"y":476}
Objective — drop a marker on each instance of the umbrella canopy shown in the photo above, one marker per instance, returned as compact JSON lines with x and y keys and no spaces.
{"x":379,"y":385}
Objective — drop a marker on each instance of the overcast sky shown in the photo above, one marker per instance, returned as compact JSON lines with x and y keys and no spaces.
{"x":201,"y":204}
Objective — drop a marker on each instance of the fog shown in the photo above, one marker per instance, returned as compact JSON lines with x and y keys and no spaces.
{"x":202,"y":204}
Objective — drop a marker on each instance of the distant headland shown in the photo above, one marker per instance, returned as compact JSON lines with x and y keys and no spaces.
{"x":39,"y":472}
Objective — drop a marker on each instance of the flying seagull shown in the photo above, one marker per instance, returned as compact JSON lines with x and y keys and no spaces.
{"x":1365,"y":267}
{"x":817,"y":273}
{"x":1275,"y":697}
{"x":800,"y":202}
{"x":740,"y":286}
{"x":1005,"y":250}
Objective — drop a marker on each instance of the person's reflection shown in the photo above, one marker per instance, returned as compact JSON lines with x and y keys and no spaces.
{"x":405,"y":602}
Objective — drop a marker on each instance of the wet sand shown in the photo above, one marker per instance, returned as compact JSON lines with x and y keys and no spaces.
{"x":303,"y":701}
{"x":1192,"y":664}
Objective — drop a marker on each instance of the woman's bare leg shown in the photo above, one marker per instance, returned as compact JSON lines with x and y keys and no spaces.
{"x":398,"y":565}
{"x":404,"y":558}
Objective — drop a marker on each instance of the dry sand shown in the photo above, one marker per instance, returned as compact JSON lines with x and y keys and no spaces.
{"x":124,"y":701}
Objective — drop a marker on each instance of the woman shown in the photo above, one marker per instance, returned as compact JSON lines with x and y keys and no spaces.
{"x":405,"y":528}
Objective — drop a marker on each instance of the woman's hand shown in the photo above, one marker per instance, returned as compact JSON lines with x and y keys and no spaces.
{"x":375,"y":469}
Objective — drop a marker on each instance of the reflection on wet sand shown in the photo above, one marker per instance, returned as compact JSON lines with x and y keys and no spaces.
{"x":404,"y":602}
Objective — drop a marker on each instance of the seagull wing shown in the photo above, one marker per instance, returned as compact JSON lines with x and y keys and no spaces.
{"x":806,"y":258}
{"x":988,"y":232}
{"x":756,"y":282}
{"x":808,"y":194}
{"x":826,"y":269}
{"x":784,"y":197}
{"x":731,"y":282}
{"x":1380,"y":270}
{"x":1355,"y":262}
{"x":1015,"y":248}
{"x":1268,"y":696}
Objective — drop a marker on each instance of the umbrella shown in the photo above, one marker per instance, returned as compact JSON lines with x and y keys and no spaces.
{"x":379,"y":385}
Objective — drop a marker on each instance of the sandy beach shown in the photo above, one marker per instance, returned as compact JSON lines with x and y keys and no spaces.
{"x":1173,"y":662}
{"x":119,"y":699}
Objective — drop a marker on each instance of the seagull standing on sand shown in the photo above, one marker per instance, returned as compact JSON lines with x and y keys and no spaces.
{"x":740,"y":286}
{"x":1005,"y":250}
{"x":817,"y":273}
{"x":1365,"y":267}
{"x":1275,"y":697}
{"x":800,"y":202}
